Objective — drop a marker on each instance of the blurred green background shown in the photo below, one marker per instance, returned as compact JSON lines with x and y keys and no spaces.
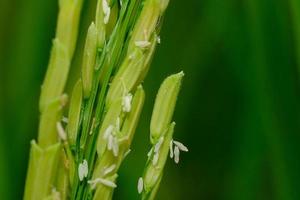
{"x":238,"y":111}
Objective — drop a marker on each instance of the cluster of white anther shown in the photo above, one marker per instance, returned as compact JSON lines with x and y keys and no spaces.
{"x":126,"y":99}
{"x":126,"y":102}
{"x":175,"y":152}
{"x":106,"y":11}
{"x":143,"y":44}
{"x":110,"y":135}
{"x":109,"y":169}
{"x":83,"y":170}
{"x":156,"y":150}
{"x":103,"y":181}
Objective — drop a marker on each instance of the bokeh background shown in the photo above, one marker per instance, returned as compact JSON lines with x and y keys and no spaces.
{"x":238,"y":111}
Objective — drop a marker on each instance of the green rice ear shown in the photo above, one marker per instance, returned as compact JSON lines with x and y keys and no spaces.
{"x":89,"y":58}
{"x":74,"y":113}
{"x":164,"y":106}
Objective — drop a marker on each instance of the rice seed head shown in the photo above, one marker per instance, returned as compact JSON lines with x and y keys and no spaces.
{"x":74,"y":112}
{"x":164,"y":106}
{"x":88,"y":60}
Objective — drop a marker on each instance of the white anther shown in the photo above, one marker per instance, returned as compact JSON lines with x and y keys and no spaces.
{"x":83,"y":170}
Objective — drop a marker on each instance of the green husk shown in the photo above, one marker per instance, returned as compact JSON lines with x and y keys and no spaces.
{"x":68,"y":22}
{"x":47,"y":128}
{"x":89,"y":58}
{"x":127,"y":76}
{"x":164,"y":106}
{"x":63,"y":180}
{"x":56,"y":75}
{"x":74,"y":112}
{"x":42,"y":168}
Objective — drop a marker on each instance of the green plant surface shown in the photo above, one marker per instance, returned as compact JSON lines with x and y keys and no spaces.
{"x":238,"y":111}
